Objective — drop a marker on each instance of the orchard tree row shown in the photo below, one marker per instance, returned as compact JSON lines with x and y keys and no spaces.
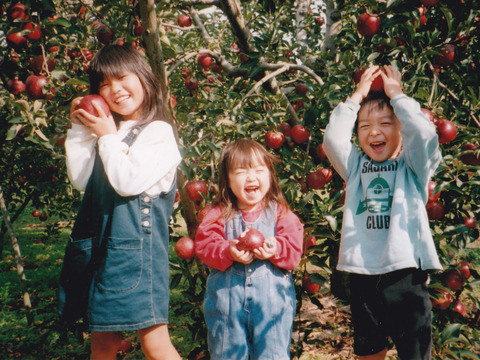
{"x":267,"y":70}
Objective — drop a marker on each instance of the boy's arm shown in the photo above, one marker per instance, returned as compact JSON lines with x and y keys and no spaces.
{"x":337,"y":140}
{"x":420,"y":140}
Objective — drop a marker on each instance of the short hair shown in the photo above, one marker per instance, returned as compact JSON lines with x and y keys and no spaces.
{"x":112,"y":60}
{"x":374,"y":101}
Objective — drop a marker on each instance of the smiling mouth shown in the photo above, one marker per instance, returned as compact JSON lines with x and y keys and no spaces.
{"x":251,"y":189}
{"x":121,"y":99}
{"x":377,"y":146}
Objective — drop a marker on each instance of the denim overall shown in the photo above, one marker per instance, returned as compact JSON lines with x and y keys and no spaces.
{"x":249,"y":309}
{"x":123,"y":241}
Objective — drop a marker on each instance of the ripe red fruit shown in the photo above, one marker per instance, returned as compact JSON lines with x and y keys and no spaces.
{"x":431,"y":188}
{"x":191,"y":84}
{"x":429,"y":2}
{"x":458,"y":307}
{"x":250,"y":239}
{"x":470,"y":222}
{"x":195,"y":190}
{"x":453,"y":279}
{"x":301,"y":89}
{"x":185,"y":248}
{"x":36,"y":213}
{"x":441,"y":298}
{"x":309,"y":286}
{"x":316,"y":179}
{"x":430,"y":116}
{"x":310,"y":241}
{"x":320,"y":152}
{"x":217,"y":68}
{"x":368,"y":24}
{"x":300,"y":134}
{"x":104,"y":34}
{"x":446,"y":131}
{"x":34,"y":86}
{"x":204,"y":60}
{"x":35,"y":34}
{"x":125,"y":346}
{"x":435,"y":210}
{"x":286,"y":128}
{"x":274,"y":139}
{"x":327,"y":173}
{"x":446,"y":56}
{"x":16,"y":40}
{"x":465,"y":269}
{"x":86,"y":103}
{"x":16,"y":86}
{"x":43,"y":217}
{"x":177,"y":196}
{"x":184,"y":20}
{"x":38,"y":64}
{"x":469,"y":157}
{"x":17,"y":11}
{"x":377,"y":83}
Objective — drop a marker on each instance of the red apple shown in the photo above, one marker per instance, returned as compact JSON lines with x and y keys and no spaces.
{"x":435,"y":210}
{"x":43,"y":217}
{"x":177,"y":196}
{"x":441,"y":299}
{"x":184,"y":20}
{"x":458,"y":307}
{"x":38,"y":64}
{"x":204,"y":60}
{"x":465,"y":269}
{"x":320,"y":152}
{"x":104,"y":34}
{"x":86,"y":103}
{"x":217,"y":68}
{"x":125,"y":346}
{"x":301,"y":89}
{"x":196,"y":190}
{"x":185,"y":248}
{"x":285,"y":128}
{"x":469,"y":157}
{"x":446,"y":131}
{"x":368,"y":24}
{"x":327,"y":173}
{"x":274,"y":139}
{"x":16,"y":40}
{"x":250,"y":239}
{"x":16,"y":86}
{"x":470,"y":222}
{"x":430,"y":116}
{"x":309,"y":286}
{"x":308,"y":242}
{"x":17,"y":11}
{"x":191,"y":84}
{"x":36,"y":213}
{"x":431,"y":188}
{"x":316,"y":179}
{"x":429,"y":2}
{"x":300,"y":134}
{"x":446,"y":56}
{"x":34,"y":86}
{"x":453,"y":279}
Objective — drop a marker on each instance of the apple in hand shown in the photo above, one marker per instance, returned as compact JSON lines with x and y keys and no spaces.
{"x":185,"y":248}
{"x":250,"y":239}
{"x":86,"y":103}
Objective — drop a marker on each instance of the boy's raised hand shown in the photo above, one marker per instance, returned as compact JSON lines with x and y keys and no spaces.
{"x":363,"y":87}
{"x":392,"y":81}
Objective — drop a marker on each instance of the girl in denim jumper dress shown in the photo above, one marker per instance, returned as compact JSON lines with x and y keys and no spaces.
{"x":126,"y":162}
{"x":250,"y":297}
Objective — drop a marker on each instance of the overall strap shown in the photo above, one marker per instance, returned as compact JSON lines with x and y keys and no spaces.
{"x":130,"y":138}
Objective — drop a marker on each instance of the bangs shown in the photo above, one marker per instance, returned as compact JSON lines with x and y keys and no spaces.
{"x":246,"y":156}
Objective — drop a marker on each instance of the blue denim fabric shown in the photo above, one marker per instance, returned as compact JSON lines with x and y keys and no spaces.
{"x":249,"y":309}
{"x":124,"y":241}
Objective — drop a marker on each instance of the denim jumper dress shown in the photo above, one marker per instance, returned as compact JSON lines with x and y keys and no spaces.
{"x":123,"y":243}
{"x":249,"y":309}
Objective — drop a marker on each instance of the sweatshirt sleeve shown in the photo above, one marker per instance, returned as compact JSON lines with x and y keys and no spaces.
{"x":80,"y":155}
{"x":420,"y":140}
{"x":151,"y":161}
{"x":337,"y":141}
{"x":289,"y":240}
{"x":210,"y":243}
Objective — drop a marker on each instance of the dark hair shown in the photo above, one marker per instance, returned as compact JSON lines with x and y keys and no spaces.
{"x":245,"y":153}
{"x":112,"y":60}
{"x":374,"y":101}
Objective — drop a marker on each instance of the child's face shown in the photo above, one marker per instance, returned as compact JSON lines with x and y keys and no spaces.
{"x":379,"y":134}
{"x":124,"y":94}
{"x":249,"y":184}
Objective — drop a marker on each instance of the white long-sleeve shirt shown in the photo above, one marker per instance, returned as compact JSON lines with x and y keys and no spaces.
{"x":385,"y":223}
{"x":149,"y":165}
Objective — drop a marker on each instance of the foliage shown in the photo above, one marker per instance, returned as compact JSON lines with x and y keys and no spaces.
{"x":238,"y":98}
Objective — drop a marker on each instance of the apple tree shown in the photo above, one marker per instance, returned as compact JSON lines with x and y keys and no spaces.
{"x":268,"y":70}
